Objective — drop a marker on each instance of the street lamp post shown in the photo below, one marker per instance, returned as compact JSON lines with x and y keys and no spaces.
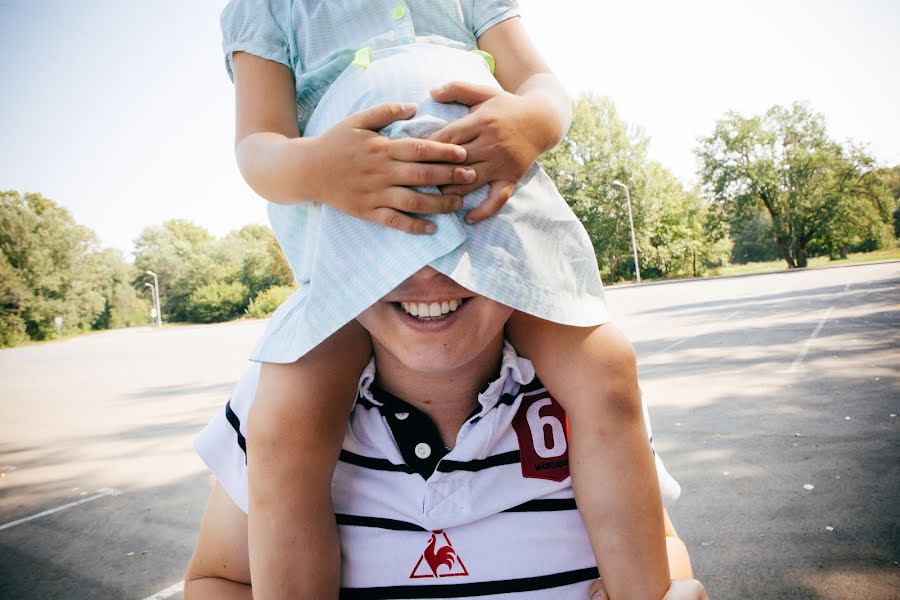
{"x":153,"y":313}
{"x":637,"y":268}
{"x":156,"y":297}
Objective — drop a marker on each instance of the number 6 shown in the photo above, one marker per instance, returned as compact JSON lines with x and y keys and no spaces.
{"x":537,"y":423}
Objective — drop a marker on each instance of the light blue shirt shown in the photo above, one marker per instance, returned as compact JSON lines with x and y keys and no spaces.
{"x":533,"y":255}
{"x":317,"y":39}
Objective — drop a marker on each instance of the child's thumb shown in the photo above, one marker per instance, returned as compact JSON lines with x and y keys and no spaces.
{"x":381,"y":116}
{"x":597,"y":592}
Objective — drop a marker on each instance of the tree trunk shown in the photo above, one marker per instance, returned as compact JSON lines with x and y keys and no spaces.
{"x":613,"y":267}
{"x":801,"y":255}
{"x":785,"y":246}
{"x":845,"y":250}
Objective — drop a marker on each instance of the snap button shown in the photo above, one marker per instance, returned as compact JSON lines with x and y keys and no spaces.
{"x":401,"y":416}
{"x":399,"y":12}
{"x":423,"y":450}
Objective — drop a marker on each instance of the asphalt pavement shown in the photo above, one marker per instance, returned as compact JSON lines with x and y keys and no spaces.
{"x":774,"y":401}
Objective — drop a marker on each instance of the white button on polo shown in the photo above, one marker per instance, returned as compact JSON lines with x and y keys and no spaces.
{"x":423,"y":450}
{"x":401,"y":416}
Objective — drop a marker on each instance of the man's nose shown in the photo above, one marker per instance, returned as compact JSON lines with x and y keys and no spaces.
{"x":426,"y":274}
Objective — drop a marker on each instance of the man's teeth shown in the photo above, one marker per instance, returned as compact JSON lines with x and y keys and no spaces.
{"x":432,"y":310}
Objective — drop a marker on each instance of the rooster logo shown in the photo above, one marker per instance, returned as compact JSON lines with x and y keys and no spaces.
{"x":439,"y":555}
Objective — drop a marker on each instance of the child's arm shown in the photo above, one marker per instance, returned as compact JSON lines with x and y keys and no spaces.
{"x":351,"y":167}
{"x":592,"y":372}
{"x":593,"y":375}
{"x":296,"y":423}
{"x":506,"y":131}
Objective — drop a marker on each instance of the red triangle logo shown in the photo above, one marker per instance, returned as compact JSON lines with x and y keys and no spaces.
{"x":439,"y":559}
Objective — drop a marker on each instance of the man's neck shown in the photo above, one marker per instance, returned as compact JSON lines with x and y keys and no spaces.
{"x":448,"y":397}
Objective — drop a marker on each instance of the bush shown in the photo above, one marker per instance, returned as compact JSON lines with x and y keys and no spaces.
{"x":267,"y":301}
{"x":217,"y":302}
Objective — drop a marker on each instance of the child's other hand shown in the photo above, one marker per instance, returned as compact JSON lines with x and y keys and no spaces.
{"x":501,"y":136}
{"x":367,"y":175}
{"x":684,"y":589}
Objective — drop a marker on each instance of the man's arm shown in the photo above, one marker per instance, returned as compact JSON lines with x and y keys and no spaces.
{"x":220,"y":566}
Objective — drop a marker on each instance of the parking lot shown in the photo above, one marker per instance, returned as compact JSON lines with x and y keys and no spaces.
{"x":774,"y":402}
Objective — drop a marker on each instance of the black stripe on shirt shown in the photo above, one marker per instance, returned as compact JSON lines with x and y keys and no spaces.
{"x":545,"y":505}
{"x":507,"y":458}
{"x":236,"y":425}
{"x":377,"y":522}
{"x":482,"y":588}
{"x":376,"y":464}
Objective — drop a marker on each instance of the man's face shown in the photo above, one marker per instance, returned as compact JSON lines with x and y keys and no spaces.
{"x":463,"y":327}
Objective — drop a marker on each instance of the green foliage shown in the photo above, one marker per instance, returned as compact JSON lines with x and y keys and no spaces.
{"x":123,"y":307}
{"x":49,"y":269}
{"x":265,"y":303}
{"x":817,"y":192}
{"x":677,"y":234}
{"x":891,"y":178}
{"x":200,"y":276}
{"x":754,"y":237}
{"x":217,"y":301}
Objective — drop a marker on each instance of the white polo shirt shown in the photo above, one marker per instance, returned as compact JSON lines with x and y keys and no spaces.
{"x":493,"y":516}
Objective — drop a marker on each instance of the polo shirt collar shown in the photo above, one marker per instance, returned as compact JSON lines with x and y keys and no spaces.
{"x":515,"y":371}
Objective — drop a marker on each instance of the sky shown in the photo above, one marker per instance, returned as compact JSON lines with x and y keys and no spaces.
{"x":122,"y":111}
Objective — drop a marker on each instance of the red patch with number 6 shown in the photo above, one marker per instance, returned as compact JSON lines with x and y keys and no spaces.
{"x":540,"y":425}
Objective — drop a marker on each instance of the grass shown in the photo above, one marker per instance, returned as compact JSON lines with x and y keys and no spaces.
{"x":817,"y":262}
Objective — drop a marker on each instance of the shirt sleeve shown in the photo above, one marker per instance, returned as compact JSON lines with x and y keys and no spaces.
{"x":669,"y":488}
{"x":487,"y":13}
{"x":259,"y":27}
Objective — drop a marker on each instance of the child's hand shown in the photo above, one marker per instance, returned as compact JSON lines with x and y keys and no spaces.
{"x":685,"y":589}
{"x":367,"y":175}
{"x":501,"y":136}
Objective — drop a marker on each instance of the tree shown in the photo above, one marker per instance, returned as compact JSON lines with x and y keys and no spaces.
{"x":48,"y":270}
{"x":672,"y":226}
{"x":177,"y":252}
{"x":812,"y":187}
{"x":122,"y":307}
{"x":204,"y":279}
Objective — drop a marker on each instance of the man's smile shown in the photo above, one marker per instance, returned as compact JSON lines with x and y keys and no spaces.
{"x":433,"y":310}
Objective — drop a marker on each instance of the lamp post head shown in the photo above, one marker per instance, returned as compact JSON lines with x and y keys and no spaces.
{"x":149,"y":285}
{"x":617,"y":182}
{"x":151,"y":273}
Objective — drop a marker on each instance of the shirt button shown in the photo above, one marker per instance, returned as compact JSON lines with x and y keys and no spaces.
{"x":423,"y":450}
{"x":399,"y":12}
{"x":401,"y":416}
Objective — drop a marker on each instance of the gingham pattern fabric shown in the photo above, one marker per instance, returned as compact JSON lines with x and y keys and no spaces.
{"x":504,"y":525}
{"x":534,"y":255}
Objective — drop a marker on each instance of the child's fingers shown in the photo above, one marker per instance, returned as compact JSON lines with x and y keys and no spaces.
{"x":380,"y":116}
{"x":406,"y":173}
{"x":418,"y":150}
{"x":398,"y":220}
{"x":500,"y":193}
{"x":469,"y":94}
{"x":411,"y":201}
{"x":459,"y":132}
{"x":461,"y":190}
{"x":597,"y":592}
{"x":483,"y":176}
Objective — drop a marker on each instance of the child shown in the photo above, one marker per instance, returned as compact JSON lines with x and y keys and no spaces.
{"x":533,"y":255}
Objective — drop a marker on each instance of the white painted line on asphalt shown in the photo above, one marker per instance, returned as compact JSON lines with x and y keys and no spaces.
{"x":809,"y":340}
{"x":102,"y":493}
{"x":169,"y":591}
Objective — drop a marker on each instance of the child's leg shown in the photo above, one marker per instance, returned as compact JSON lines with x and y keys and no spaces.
{"x":295,"y":430}
{"x":592,"y":372}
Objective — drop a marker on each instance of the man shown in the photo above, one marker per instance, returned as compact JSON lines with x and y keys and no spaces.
{"x":459,"y":489}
